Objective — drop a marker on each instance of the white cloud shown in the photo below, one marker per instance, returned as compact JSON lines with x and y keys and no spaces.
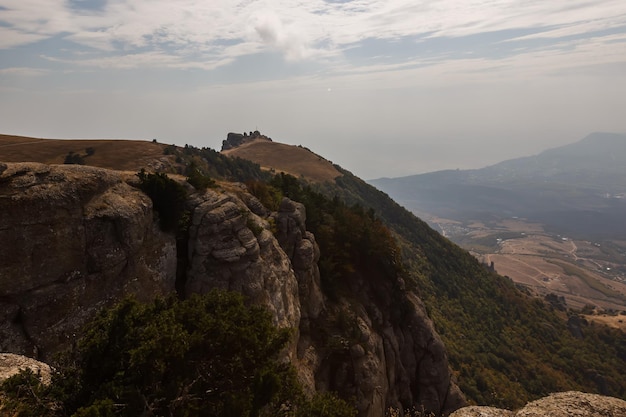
{"x":295,"y":28}
{"x":290,"y":39}
{"x":23,"y":71}
{"x":11,"y":38}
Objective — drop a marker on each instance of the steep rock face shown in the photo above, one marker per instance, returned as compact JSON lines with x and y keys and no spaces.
{"x":562,"y":404}
{"x":231,"y":248}
{"x":304,"y":253}
{"x":385,"y":358}
{"x":75,"y":238}
{"x":388,"y":362}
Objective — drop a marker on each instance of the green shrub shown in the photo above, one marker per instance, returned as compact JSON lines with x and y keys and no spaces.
{"x":269,"y":196}
{"x":23,"y":395}
{"x":197,"y":178}
{"x":210,"y":355}
{"x":170,"y":150}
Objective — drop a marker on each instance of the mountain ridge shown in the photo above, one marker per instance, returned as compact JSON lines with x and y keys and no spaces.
{"x":598,"y":145}
{"x":586,"y":179}
{"x":504,"y":346}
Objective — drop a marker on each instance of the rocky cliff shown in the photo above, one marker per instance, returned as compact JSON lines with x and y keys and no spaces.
{"x":82,"y":238}
{"x":74,"y":239}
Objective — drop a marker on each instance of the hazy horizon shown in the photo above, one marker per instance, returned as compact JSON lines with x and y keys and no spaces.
{"x":383,"y":88}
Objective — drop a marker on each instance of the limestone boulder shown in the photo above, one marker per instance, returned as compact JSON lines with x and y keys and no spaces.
{"x":562,"y":404}
{"x":11,"y":364}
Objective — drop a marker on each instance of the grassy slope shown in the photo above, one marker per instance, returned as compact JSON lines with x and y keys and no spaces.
{"x":112,"y":154}
{"x":293,"y":160}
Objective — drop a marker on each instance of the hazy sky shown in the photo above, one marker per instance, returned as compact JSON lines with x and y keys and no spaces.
{"x":383,"y":88}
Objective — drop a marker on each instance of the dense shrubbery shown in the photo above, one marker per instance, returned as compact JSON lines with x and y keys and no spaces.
{"x":215,"y":165}
{"x":78,"y":159}
{"x":351,"y":239}
{"x":206,"y":356}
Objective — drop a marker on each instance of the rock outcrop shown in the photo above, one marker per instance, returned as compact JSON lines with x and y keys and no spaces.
{"x":562,"y":404}
{"x":11,"y":364}
{"x":74,"y":239}
{"x":369,"y":353}
{"x":234,"y":140}
{"x":383,"y":355}
{"x":232,"y":248}
{"x":82,"y":238}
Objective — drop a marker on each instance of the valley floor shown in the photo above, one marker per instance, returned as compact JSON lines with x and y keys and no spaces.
{"x":584,"y":273}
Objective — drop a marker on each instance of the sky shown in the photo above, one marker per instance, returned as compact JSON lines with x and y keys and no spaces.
{"x":382,"y":88}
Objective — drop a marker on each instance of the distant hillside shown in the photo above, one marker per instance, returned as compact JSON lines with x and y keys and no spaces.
{"x":129,"y":155}
{"x":578,"y":189}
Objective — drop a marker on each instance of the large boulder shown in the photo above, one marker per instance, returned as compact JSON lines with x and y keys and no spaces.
{"x":562,"y":404}
{"x":11,"y":364}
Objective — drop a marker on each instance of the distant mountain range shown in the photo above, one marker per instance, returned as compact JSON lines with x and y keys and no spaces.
{"x":577,"y":189}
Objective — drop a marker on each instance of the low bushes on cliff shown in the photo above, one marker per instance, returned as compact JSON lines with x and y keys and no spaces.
{"x":206,"y":356}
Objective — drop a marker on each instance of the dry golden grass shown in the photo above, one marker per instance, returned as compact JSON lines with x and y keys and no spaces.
{"x":289,"y":159}
{"x":617,"y":322}
{"x":129,"y":155}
